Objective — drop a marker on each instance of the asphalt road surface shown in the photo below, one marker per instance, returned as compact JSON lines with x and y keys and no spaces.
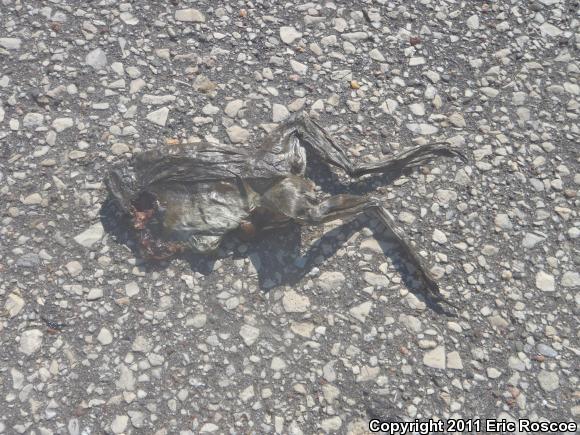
{"x":297,"y":332}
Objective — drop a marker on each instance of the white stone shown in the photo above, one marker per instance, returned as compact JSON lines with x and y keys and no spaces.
{"x":141,"y":344}
{"x":11,"y":43}
{"x":375,"y":54}
{"x":361,"y":311}
{"x":329,"y":281}
{"x":62,"y":124}
{"x":249,"y":334}
{"x":531,"y":240}
{"x":119,"y":424}
{"x":571,"y":279}
{"x":157,"y":99}
{"x":94,"y":294}
{"x":503,"y":221}
{"x":545,"y":281}
{"x":91,"y":235}
{"x":331,"y":425}
{"x":406,"y":217}
{"x":32,"y":120}
{"x":96,"y":58}
{"x":493,"y":373}
{"x":439,"y":236}
{"x":159,"y":116}
{"x":32,"y":199}
{"x":289,"y":34}
{"x":435,"y":358}
{"x":548,"y":29}
{"x":233,"y":107}
{"x":298,"y":67}
{"x":129,"y":18}
{"x":119,"y":148}
{"x":105,"y":337}
{"x":189,"y":15}
{"x":279,"y":113}
{"x":549,"y":381}
{"x":131,"y":289}
{"x":74,"y":268}
{"x":368,"y":373}
{"x":473,"y":22}
{"x":30,"y":341}
{"x":247,"y":393}
{"x":198,"y":321}
{"x":238,"y":134}
{"x":13,"y":305}
{"x":457,"y":120}
{"x":277,"y":364}
{"x":454,"y":361}
{"x":417,"y":109}
{"x":422,"y":128}
{"x":294,"y":302}
{"x":376,"y":279}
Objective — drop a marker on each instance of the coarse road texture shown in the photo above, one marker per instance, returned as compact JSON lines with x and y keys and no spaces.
{"x":274,"y":335}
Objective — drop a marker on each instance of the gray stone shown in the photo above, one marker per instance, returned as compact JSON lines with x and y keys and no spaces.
{"x":30,"y":260}
{"x":546,"y":350}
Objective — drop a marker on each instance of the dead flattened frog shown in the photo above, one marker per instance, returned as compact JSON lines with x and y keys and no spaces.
{"x":189,"y":200}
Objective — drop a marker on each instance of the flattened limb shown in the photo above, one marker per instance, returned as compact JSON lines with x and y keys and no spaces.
{"x":310,"y":133}
{"x":305,"y":211}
